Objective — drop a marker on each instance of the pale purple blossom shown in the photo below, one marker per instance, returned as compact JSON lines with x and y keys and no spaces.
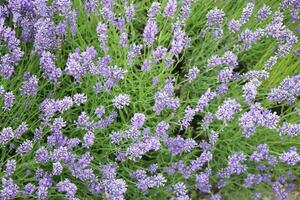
{"x":287,"y":92}
{"x":30,"y":86}
{"x":9,"y":99}
{"x":289,"y":129}
{"x":9,"y":189}
{"x":263,"y":12}
{"x":25,"y":147}
{"x":290,"y":157}
{"x":138,"y":120}
{"x":102,"y":32}
{"x":88,"y":139}
{"x":170,"y":8}
{"x":202,"y":181}
{"x":150,"y":32}
{"x":10,"y":167}
{"x":129,"y":12}
{"x":180,"y":191}
{"x":68,"y":187}
{"x":159,"y":53}
{"x":189,"y":114}
{"x":154,"y":10}
{"x":192,"y":74}
{"x":123,"y":39}
{"x":50,"y":71}
{"x":121,"y":101}
{"x":257,"y":116}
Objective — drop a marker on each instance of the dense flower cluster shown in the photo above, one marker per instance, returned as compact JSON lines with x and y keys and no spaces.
{"x":112,"y":100}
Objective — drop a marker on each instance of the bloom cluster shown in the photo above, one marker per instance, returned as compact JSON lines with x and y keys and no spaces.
{"x":257,"y":116}
{"x":288,"y":91}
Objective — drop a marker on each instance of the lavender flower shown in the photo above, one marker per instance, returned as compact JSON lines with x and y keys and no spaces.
{"x":257,"y":116}
{"x":68,"y":187}
{"x":88,"y":139}
{"x":147,"y":182}
{"x":102,"y":35}
{"x":9,"y":98}
{"x":178,"y":145}
{"x":180,"y":191}
{"x":42,"y":192}
{"x":192,"y":74}
{"x":10,"y":59}
{"x":90,"y":6}
{"x":199,"y":162}
{"x":29,"y":190}
{"x":129,"y":12}
{"x":108,"y":14}
{"x":9,"y":189}
{"x":215,"y":16}
{"x":279,"y":191}
{"x":291,"y":157}
{"x":6,"y":135}
{"x":42,"y":155}
{"x":185,"y":9}
{"x":246,"y":13}
{"x":287,"y":92}
{"x":45,"y":38}
{"x":154,"y":10}
{"x":161,"y":129}
{"x":123,"y":39}
{"x":57,"y":168}
{"x":249,"y":38}
{"x":150,"y":32}
{"x":74,"y":66}
{"x":179,"y":41}
{"x":135,"y":50}
{"x":234,"y":25}
{"x":138,"y":120}
{"x":10,"y":167}
{"x":139,"y":148}
{"x":214,"y":22}
{"x":204,"y":100}
{"x":109,"y":171}
{"x":79,"y":99}
{"x":2,"y":90}
{"x":226,"y":111}
{"x":170,"y":9}
{"x":292,"y":130}
{"x":50,"y":71}
{"x":214,"y":136}
{"x":22,"y":128}
{"x":250,"y":90}
{"x":202,"y":181}
{"x":121,"y":101}
{"x":164,"y":98}
{"x":271,"y":62}
{"x":225,"y":75}
{"x":189,"y":114}
{"x":261,"y":153}
{"x":208,"y":118}
{"x":215,"y":197}
{"x":147,"y":65}
{"x":25,"y":147}
{"x":159,"y":53}
{"x":263,"y":12}
{"x":30,"y":86}
{"x":114,"y":188}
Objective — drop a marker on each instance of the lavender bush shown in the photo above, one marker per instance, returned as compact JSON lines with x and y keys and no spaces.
{"x":116,"y":99}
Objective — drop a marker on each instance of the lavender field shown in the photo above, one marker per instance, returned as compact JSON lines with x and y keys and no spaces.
{"x":149,"y":100}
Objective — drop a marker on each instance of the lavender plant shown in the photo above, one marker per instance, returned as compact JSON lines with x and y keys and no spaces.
{"x":120,"y":99}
